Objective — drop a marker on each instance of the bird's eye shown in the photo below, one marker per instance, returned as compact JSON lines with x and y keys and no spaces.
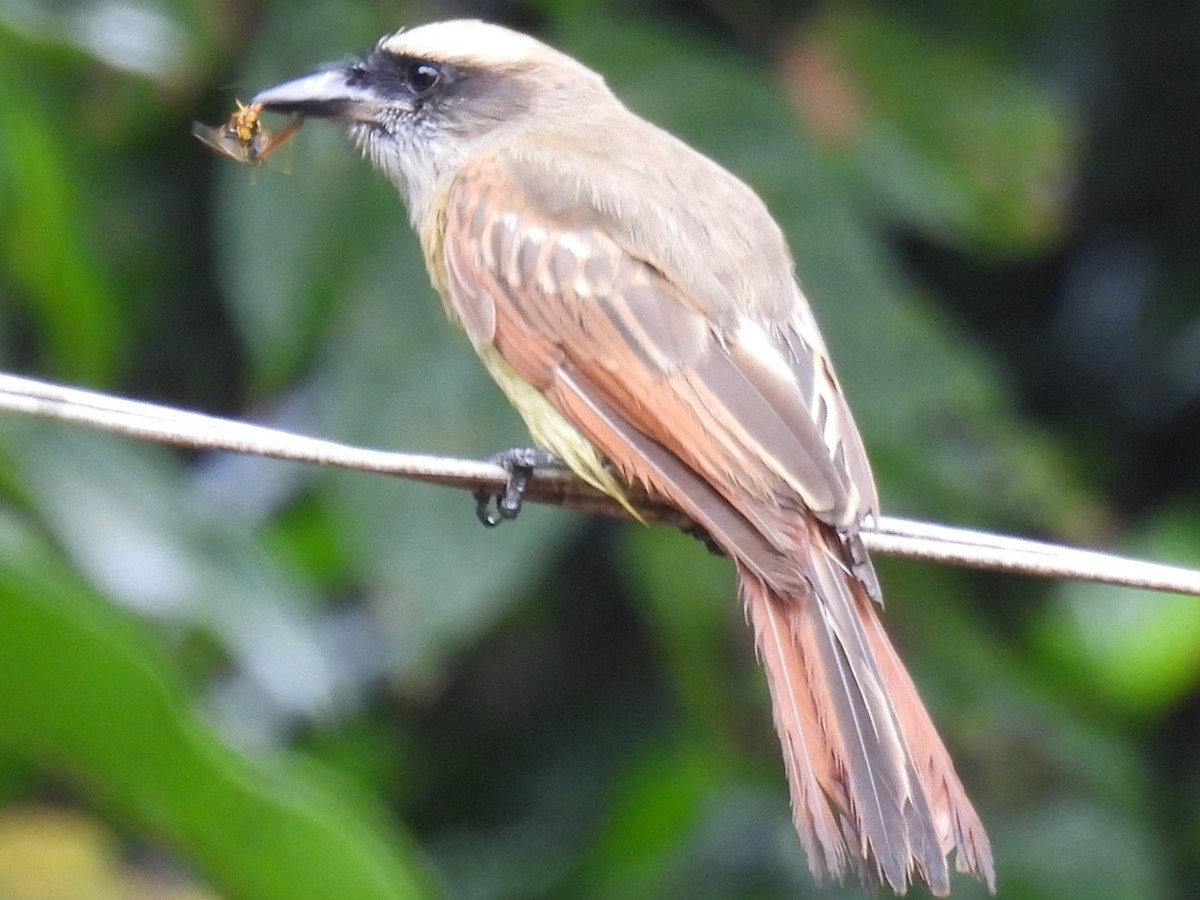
{"x":422,"y":77}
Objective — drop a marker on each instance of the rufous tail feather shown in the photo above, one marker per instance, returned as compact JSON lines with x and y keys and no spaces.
{"x":871,"y":783}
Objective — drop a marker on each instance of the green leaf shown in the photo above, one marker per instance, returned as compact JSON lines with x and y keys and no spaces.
{"x":85,"y":693}
{"x":1134,"y":649}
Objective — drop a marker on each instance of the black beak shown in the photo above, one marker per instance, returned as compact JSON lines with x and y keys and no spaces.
{"x":339,"y":92}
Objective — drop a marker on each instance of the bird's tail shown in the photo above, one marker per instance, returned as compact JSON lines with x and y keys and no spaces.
{"x":872,"y":785}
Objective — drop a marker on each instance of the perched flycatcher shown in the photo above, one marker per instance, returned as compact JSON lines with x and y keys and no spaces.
{"x":638,"y":305}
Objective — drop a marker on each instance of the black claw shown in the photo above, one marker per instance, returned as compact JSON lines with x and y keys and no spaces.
{"x":520,"y":463}
{"x":483,"y":502}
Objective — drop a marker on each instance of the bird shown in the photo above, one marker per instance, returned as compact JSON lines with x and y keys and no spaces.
{"x":639,"y":306}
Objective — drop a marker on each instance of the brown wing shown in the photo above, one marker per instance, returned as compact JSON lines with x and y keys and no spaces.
{"x":750,"y":405}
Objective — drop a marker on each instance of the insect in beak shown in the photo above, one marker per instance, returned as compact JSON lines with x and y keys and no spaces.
{"x":243,"y":138}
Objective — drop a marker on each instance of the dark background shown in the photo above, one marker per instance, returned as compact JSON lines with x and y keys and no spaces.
{"x":238,"y":678}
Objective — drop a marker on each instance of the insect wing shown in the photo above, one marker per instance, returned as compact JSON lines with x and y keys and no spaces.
{"x":222,"y":140}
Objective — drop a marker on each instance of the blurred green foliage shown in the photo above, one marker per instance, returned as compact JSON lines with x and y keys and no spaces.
{"x":281,"y":682}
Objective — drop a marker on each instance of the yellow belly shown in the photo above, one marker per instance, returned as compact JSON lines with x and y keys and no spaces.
{"x":550,"y":430}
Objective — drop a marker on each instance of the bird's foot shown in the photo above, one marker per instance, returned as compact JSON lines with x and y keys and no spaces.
{"x":519,"y":463}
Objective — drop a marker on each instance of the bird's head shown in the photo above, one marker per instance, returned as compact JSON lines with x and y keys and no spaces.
{"x":424,"y":100}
